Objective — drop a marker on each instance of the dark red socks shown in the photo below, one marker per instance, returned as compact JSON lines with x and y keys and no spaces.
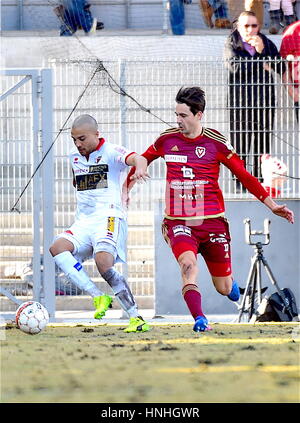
{"x":192,"y":298}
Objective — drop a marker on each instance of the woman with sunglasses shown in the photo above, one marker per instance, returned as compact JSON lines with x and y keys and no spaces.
{"x":249,"y":58}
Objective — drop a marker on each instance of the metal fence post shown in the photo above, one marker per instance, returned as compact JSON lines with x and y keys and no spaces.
{"x":166,"y":11}
{"x":122,"y":128}
{"x":36,"y":191}
{"x":123,"y":138}
{"x":48,"y":191}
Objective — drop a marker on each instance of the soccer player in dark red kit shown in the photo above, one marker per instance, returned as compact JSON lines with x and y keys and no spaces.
{"x":194,"y":219}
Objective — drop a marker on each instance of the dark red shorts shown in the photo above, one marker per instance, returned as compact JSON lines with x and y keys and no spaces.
{"x":208,"y":237}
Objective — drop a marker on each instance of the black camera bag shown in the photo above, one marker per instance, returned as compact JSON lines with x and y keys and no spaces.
{"x":280,"y":307}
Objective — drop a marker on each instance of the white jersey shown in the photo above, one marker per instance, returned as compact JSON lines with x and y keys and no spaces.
{"x":99,"y":180}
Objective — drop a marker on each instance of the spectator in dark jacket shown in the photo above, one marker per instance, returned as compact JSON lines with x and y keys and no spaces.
{"x":250,"y":57}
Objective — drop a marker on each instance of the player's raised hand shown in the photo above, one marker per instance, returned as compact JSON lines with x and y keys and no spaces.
{"x":279,"y":209}
{"x":140,"y":170}
{"x":283,"y":211}
{"x":140,"y":175}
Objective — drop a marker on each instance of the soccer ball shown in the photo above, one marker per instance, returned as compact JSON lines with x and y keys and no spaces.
{"x":32,"y":317}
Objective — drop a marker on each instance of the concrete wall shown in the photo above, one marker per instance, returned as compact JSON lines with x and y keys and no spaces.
{"x":34,"y":51}
{"x":282,"y":254}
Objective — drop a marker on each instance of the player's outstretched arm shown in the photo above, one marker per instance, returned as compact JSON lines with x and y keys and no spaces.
{"x":279,"y":209}
{"x":236,"y":165}
{"x":140,"y":164}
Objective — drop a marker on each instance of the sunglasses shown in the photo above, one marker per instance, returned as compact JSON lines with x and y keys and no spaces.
{"x":253,"y":25}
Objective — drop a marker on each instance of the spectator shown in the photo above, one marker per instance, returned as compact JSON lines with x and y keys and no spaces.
{"x":290,"y":50}
{"x":218,"y":8}
{"x":235,"y":8}
{"x":277,"y":8}
{"x":177,"y":16}
{"x":74,"y":15}
{"x":251,"y":96}
{"x":257,"y":7}
{"x":297,"y":9}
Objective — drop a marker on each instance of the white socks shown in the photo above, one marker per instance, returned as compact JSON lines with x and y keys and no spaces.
{"x":74,"y":270}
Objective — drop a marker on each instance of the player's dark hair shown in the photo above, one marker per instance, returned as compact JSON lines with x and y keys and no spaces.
{"x":194,"y":97}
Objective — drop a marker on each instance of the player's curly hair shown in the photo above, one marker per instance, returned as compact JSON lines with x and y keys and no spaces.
{"x":194,"y":97}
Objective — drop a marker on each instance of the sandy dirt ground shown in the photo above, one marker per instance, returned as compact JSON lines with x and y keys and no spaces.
{"x":232,"y":363}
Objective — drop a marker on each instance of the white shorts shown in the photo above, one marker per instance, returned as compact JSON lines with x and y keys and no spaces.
{"x":90,"y":236}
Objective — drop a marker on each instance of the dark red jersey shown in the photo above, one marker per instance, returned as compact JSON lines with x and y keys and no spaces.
{"x":193,"y":166}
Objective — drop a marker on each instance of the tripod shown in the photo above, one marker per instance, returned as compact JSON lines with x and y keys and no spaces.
{"x":253,"y":290}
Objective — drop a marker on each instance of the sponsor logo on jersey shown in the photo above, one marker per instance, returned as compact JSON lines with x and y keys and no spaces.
{"x":191,"y":196}
{"x":182,"y":230}
{"x":220,"y":238}
{"x":188,"y":184}
{"x":76,"y":159}
{"x":175,"y":158}
{"x":110,"y":224}
{"x":97,"y":160}
{"x":93,"y":177}
{"x":78,"y":266}
{"x":200,"y":151}
{"x":102,"y":168}
{"x":175,"y":148}
{"x":84,"y":170}
{"x":91,"y":181}
{"x":187,"y":172}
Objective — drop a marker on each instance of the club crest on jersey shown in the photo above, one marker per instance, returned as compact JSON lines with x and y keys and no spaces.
{"x":200,"y":151}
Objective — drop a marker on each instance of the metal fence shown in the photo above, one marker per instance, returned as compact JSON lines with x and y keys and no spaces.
{"x":26,"y":134}
{"x":154,"y":84}
{"x":134,"y":122}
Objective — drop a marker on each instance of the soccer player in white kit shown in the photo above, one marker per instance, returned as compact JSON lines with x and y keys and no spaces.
{"x":100,"y":227}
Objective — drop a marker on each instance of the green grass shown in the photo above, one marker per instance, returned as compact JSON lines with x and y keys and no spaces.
{"x":232,"y":363}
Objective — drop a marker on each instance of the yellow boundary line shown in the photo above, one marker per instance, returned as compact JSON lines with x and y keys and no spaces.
{"x":152,"y":324}
{"x":204,"y":339}
{"x":216,"y":325}
{"x":226,"y":369}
